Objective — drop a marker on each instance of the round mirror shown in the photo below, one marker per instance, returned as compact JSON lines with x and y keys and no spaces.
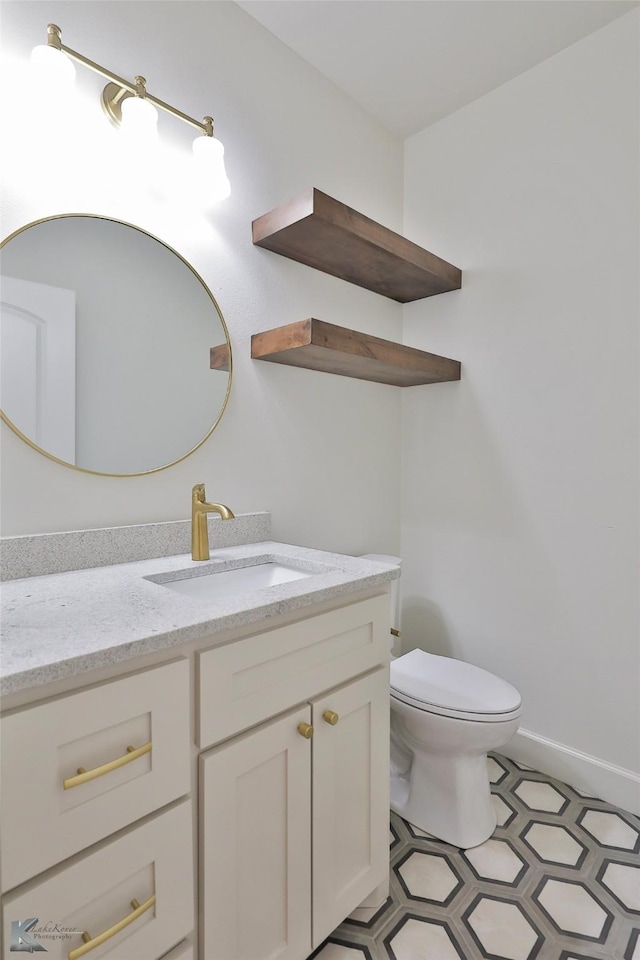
{"x":106,"y":337}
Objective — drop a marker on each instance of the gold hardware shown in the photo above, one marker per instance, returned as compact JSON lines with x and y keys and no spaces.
{"x":330,"y":717}
{"x":54,"y":36}
{"x":111,"y":99}
{"x":199,"y":530}
{"x":394,"y":632}
{"x":118,"y":87}
{"x":305,"y":730}
{"x":83,"y":776}
{"x":89,"y":943}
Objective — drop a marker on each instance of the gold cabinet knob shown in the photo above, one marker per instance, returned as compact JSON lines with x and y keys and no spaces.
{"x":330,"y":717}
{"x":305,"y":730}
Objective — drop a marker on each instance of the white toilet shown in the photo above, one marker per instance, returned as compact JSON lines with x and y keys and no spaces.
{"x":445,"y":716}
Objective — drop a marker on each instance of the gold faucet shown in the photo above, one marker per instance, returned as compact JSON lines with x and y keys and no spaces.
{"x":199,"y":532}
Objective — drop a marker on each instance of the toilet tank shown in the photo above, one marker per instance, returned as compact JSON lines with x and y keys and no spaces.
{"x":394,"y":620}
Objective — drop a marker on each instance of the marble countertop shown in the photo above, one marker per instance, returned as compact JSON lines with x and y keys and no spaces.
{"x":63,"y":624}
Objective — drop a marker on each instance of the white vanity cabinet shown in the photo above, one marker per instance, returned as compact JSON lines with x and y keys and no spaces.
{"x":294,"y":812}
{"x":196,"y":766}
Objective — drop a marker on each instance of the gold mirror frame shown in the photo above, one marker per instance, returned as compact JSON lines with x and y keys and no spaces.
{"x":172,"y":463}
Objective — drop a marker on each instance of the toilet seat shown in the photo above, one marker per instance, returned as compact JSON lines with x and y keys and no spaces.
{"x":452,"y":688}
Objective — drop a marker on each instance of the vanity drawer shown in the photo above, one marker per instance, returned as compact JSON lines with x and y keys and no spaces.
{"x":94,"y":894}
{"x":245,"y":682}
{"x":59,"y":811}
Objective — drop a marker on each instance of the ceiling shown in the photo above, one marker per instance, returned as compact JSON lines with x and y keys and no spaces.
{"x":409,"y":63}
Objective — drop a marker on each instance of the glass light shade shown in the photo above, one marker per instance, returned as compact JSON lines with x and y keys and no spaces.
{"x":139,"y":120}
{"x":208,"y":157}
{"x":53,"y":68}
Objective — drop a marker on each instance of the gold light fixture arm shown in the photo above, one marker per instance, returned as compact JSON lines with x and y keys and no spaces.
{"x":118,"y":88}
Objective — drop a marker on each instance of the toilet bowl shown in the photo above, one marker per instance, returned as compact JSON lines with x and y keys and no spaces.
{"x":445,"y":716}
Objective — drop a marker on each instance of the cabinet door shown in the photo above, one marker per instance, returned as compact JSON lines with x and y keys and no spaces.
{"x":255,"y":844}
{"x":350,"y":798}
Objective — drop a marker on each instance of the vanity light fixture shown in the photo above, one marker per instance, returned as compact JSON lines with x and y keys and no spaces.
{"x":130,"y":106}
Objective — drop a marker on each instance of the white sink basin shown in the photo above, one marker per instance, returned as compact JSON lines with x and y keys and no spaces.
{"x":227,"y":583}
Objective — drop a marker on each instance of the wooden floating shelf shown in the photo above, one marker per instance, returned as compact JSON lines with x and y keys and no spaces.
{"x":324,"y":346}
{"x":323,"y":233}
{"x":219,"y":357}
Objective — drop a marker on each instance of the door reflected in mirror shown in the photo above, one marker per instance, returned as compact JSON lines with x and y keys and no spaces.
{"x":105,"y":339}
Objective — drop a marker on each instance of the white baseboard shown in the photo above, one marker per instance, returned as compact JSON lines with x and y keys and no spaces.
{"x":590,"y":775}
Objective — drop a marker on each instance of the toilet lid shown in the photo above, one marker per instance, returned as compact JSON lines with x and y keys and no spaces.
{"x":452,"y":684}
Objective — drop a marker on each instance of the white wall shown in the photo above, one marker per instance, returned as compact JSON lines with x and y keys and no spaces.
{"x":321,"y":452}
{"x":520,"y":484}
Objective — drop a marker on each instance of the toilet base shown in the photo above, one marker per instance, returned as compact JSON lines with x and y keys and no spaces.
{"x":440,"y":782}
{"x":452,"y":800}
{"x":443,"y":763}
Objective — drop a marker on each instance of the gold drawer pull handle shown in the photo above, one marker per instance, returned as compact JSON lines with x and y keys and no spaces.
{"x":84,"y":775}
{"x":394,"y":632}
{"x":89,"y":942}
{"x":330,"y":717}
{"x":305,"y":730}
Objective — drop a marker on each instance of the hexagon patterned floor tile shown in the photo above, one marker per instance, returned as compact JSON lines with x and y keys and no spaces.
{"x":502,"y":929}
{"x":610,"y":829}
{"x":558,"y":880}
{"x":553,"y":843}
{"x":418,"y":937}
{"x":633,"y":947}
{"x":573,"y":909}
{"x":497,"y":771}
{"x":623,"y":881}
{"x":393,"y":837}
{"x":504,"y":813}
{"x":569,"y":955}
{"x":496,"y":860}
{"x":339,"y":950}
{"x":541,"y":796}
{"x":429,"y":877}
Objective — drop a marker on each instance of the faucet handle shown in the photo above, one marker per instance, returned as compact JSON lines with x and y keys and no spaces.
{"x":198,"y":493}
